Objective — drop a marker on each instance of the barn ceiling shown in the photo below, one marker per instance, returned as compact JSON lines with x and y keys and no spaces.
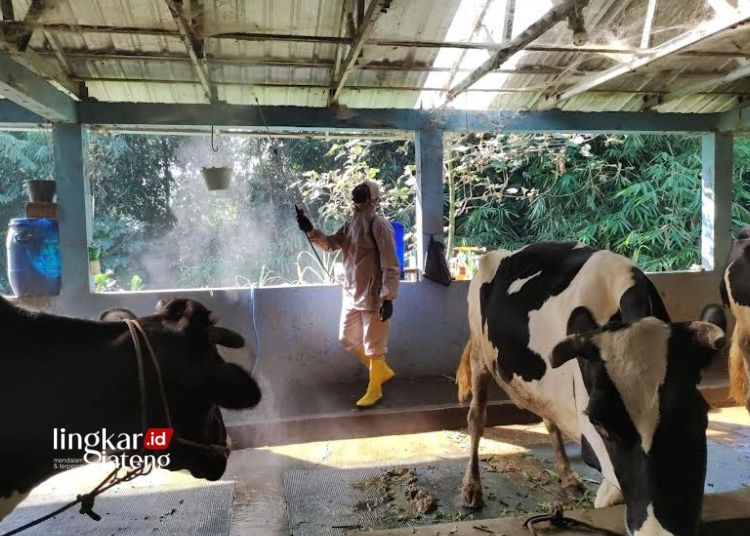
{"x":596,"y":55}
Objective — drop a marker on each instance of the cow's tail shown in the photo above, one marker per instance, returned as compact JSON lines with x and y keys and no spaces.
{"x":463,"y":373}
{"x":657,"y":305}
{"x":737,"y":372}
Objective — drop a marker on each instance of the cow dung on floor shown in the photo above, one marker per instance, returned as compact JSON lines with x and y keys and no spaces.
{"x":335,"y":501}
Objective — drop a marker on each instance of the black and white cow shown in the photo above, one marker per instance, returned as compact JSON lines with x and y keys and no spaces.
{"x":81,"y":375}
{"x":630,"y":398}
{"x":735,"y":293}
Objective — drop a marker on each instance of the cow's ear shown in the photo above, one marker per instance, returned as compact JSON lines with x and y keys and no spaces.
{"x":231,"y":386}
{"x":708,"y":335}
{"x":578,"y":345}
{"x":225,"y":337}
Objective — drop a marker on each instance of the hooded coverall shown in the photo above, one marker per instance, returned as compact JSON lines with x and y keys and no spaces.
{"x":372,"y":273}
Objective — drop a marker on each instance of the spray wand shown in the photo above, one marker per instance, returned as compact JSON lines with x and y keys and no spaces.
{"x":300,"y":212}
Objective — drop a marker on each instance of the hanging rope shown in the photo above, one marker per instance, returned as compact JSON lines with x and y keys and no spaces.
{"x":214,"y":147}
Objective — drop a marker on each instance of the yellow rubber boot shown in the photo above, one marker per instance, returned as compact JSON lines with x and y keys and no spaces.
{"x":360,"y":353}
{"x":375,"y":386}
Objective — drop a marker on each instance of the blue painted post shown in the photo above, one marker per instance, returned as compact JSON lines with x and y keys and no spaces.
{"x":716,"y":224}
{"x":74,"y":207}
{"x":428,"y":151}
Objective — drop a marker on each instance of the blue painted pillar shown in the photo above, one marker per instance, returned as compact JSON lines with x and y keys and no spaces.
{"x":716,"y":225}
{"x":428,"y":150}
{"x":74,"y":207}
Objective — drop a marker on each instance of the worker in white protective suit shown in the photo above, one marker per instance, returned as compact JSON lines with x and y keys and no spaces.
{"x":371,"y":283}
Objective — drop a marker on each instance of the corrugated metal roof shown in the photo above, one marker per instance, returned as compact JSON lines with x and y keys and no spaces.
{"x":153,"y":65}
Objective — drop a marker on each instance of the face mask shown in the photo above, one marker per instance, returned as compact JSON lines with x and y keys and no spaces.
{"x":361,"y":194}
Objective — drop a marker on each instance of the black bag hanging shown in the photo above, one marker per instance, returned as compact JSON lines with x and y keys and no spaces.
{"x":436,"y":267}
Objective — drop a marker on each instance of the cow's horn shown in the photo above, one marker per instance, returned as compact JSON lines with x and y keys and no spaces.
{"x":225,"y":337}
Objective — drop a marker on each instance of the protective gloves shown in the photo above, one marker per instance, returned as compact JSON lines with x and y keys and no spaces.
{"x":303,"y":221}
{"x":386,"y":310}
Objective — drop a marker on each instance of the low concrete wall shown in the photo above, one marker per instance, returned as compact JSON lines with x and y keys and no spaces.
{"x":301,"y":360}
{"x":298,"y":326}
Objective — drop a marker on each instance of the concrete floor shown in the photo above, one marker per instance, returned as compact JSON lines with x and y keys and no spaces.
{"x":259,"y":506}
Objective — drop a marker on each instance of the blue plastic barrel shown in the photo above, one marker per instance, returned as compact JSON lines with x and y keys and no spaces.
{"x":33,"y":248}
{"x":398,"y":235}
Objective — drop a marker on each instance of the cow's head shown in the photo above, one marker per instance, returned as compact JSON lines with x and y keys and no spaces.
{"x":644,"y":403}
{"x":197,"y":382}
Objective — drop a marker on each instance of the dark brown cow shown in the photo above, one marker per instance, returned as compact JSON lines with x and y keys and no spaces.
{"x":62,"y":375}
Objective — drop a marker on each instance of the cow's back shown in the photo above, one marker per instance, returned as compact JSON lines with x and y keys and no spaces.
{"x":520,"y":304}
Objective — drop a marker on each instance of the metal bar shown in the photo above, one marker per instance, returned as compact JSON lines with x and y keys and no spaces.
{"x":99,"y":55}
{"x":193,"y":46}
{"x":428,"y":151}
{"x":509,"y":90}
{"x":74,"y":205}
{"x":593,"y":48}
{"x":716,"y":196}
{"x":700,"y":87}
{"x":322,"y":119}
{"x":648,"y":22}
{"x":32,"y":92}
{"x":530,"y":34}
{"x":363,"y":31}
{"x":691,"y":38}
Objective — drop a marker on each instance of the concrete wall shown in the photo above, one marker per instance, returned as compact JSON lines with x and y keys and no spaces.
{"x":298,"y":326}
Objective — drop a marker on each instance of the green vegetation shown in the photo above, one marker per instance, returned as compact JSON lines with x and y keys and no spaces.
{"x":156,"y":225}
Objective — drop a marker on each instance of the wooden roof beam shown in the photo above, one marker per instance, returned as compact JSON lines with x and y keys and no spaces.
{"x":27,"y":89}
{"x":703,"y":32}
{"x":648,"y":23}
{"x":193,"y":45}
{"x":21,"y":37}
{"x":15,"y":39}
{"x":521,"y":41}
{"x":358,"y":43}
{"x":37,"y":64}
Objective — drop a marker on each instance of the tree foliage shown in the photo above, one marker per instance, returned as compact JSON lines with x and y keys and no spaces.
{"x":636,"y":195}
{"x":158,"y":226}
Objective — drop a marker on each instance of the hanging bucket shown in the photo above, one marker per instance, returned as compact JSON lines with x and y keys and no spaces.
{"x":217,"y":178}
{"x":33,"y":248}
{"x":41,"y":191}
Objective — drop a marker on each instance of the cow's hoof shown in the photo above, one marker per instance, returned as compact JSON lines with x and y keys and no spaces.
{"x":471,"y":494}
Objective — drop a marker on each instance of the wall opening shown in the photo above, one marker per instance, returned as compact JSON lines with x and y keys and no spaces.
{"x":637,"y":195}
{"x":156,"y":226}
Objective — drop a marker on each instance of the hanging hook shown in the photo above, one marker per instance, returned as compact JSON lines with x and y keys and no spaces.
{"x":214,"y":147}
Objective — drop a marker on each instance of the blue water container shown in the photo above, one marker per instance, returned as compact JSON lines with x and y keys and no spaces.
{"x":398,"y":235}
{"x":33,"y":248}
